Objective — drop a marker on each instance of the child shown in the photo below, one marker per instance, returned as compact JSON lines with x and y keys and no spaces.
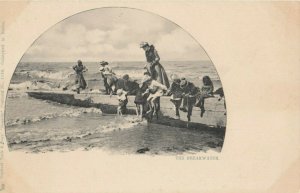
{"x":122,"y":98}
{"x":140,"y":100}
{"x":80,"y":81}
{"x":220,"y":92}
{"x":205,"y":92}
{"x":176,"y":91}
{"x":105,"y":71}
{"x":155,"y":90}
{"x":189,"y":91}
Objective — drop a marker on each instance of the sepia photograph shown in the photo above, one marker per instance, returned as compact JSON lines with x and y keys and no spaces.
{"x":122,"y":80}
{"x":149,"y":96}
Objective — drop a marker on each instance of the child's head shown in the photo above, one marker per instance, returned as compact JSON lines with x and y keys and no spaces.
{"x":183,"y":82}
{"x":206,"y":80}
{"x":103,"y":63}
{"x":119,"y":92}
{"x":126,"y":77}
{"x":175,"y":78}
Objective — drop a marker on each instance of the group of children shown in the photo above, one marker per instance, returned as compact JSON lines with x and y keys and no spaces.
{"x":183,"y":94}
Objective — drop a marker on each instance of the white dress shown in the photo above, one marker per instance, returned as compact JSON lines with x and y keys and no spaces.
{"x":160,"y":88}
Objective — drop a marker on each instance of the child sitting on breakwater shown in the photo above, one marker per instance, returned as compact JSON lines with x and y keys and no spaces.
{"x":155,"y":90}
{"x":205,"y":92}
{"x":176,"y":94}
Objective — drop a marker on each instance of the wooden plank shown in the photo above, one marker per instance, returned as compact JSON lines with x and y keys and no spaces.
{"x":213,"y":117}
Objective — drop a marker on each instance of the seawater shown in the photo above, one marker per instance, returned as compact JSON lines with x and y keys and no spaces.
{"x":35,"y":125}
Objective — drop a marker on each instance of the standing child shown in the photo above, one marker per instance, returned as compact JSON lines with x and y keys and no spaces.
{"x":140,"y":101}
{"x":79,"y":80}
{"x":105,"y":71}
{"x":122,"y":98}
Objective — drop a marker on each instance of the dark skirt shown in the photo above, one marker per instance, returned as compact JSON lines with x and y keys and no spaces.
{"x":80,"y":81}
{"x":159,"y":74}
{"x":140,"y":99}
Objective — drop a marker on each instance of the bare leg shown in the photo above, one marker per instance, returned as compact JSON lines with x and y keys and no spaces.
{"x":184,"y":104}
{"x":149,"y":100}
{"x":155,"y":102}
{"x":137,"y":110}
{"x":141,"y":112}
{"x":119,"y":112}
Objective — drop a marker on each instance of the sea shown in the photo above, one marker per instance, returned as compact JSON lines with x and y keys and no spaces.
{"x":34,"y":125}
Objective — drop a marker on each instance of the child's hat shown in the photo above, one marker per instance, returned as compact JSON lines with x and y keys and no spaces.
{"x":143,"y":44}
{"x":103,"y":63}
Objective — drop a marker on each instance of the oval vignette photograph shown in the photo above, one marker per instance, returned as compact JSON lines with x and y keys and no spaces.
{"x":119,"y":80}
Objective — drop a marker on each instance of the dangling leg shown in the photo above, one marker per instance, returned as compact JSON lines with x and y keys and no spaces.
{"x":155,"y":105}
{"x":184,"y":104}
{"x":177,"y":105}
{"x":150,"y":105}
{"x":158,"y":103}
{"x":202,"y":106}
{"x":137,"y":109}
{"x":150,"y":111}
{"x":141,"y":112}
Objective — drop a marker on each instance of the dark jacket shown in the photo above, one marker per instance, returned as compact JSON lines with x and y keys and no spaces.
{"x":152,"y":55}
{"x":190,"y":89}
{"x":129,"y":86}
{"x":207,"y":89}
{"x":175,"y":90}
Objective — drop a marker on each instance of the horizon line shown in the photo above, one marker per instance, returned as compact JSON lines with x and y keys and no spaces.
{"x":117,"y":61}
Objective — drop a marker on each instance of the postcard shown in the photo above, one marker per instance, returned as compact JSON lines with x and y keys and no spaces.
{"x":136,"y":96}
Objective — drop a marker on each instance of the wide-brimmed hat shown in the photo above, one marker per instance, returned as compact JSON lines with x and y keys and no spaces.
{"x":103,"y":63}
{"x":143,"y":44}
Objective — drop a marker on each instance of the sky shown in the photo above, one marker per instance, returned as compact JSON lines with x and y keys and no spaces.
{"x":113,"y":34}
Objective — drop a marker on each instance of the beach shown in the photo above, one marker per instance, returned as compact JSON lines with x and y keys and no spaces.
{"x":34,"y":125}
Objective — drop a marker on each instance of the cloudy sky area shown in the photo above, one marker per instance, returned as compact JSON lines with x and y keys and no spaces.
{"x":113,"y":34}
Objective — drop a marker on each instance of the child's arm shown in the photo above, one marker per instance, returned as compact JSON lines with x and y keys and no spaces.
{"x":146,"y":92}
